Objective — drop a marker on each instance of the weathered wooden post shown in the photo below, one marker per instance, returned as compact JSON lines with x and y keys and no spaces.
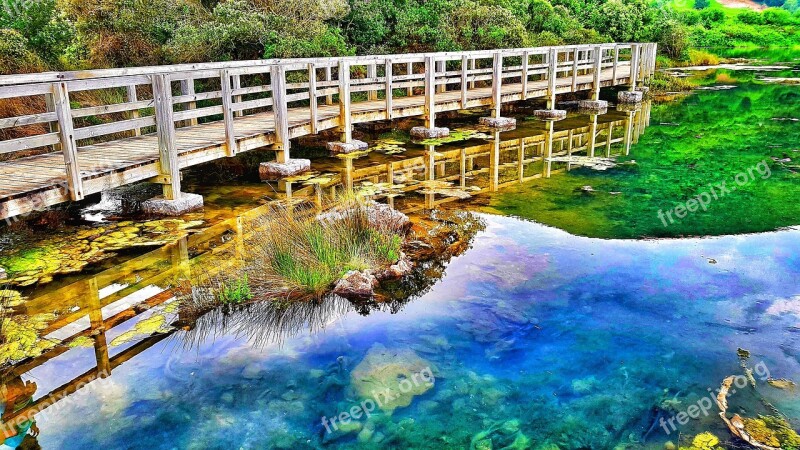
{"x":345,"y":117}
{"x":372,"y":73}
{"x":441,"y":68}
{"x":187,"y":88}
{"x":312,"y":97}
{"x":464,"y":86}
{"x":521,"y":160}
{"x":236,"y":84}
{"x":575,"y":57}
{"x":608,"y":138}
{"x":632,"y":96}
{"x":547,"y":157}
{"x":69,"y":147}
{"x":430,"y":130}
{"x":472,"y":68}
{"x":595,"y":105}
{"x":347,"y":144}
{"x":494,"y":163}
{"x":132,"y":97}
{"x":328,"y":78}
{"x":173,"y":201}
{"x":389,"y":93}
{"x":284,"y":165}
{"x":496,"y":121}
{"x":551,"y":113}
{"x":525,"y":62}
{"x":410,"y":71}
{"x":614,"y":67}
{"x":227,"y":113}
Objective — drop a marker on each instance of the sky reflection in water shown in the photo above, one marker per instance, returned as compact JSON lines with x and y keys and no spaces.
{"x":579,"y":339}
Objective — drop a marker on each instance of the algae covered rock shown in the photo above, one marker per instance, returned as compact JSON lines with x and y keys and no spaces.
{"x":505,"y":435}
{"x":391,"y":377}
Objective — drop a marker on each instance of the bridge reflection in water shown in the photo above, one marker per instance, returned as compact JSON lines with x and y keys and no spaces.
{"x":106,"y":305}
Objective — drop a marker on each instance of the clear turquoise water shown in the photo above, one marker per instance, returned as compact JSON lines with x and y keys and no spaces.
{"x":581,"y":340}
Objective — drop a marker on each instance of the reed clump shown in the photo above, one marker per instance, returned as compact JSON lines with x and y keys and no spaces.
{"x":297,"y":250}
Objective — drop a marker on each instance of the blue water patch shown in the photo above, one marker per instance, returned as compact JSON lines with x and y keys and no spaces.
{"x":535,"y":339}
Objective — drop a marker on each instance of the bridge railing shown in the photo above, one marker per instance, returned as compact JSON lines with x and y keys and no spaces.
{"x":62,"y":112}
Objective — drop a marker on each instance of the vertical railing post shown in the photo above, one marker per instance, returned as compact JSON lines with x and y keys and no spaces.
{"x":50,"y":105}
{"x":598,"y":70}
{"x":430,"y":92}
{"x":187,"y":88}
{"x":345,"y":118}
{"x":69,"y":147}
{"x":328,"y":77}
{"x":614,"y":68}
{"x":237,"y":84}
{"x":525,"y":61}
{"x":575,"y":57}
{"x":372,"y":73}
{"x":165,"y":128}
{"x":280,"y":110}
{"x":312,"y":96}
{"x":132,"y":97}
{"x":552,"y":74}
{"x":472,"y":67}
{"x":410,"y":71}
{"x":608,"y":139}
{"x":389,"y":94}
{"x":441,"y":68}
{"x":227,"y":112}
{"x":634,"y":65}
{"x":497,"y":84}
{"x":464,"y":87}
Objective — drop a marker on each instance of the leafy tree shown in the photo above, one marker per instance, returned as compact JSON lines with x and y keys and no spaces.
{"x":44,"y":28}
{"x":701,"y":4}
{"x":475,"y":26}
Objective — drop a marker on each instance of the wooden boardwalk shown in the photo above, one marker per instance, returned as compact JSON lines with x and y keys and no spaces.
{"x":245,"y":119}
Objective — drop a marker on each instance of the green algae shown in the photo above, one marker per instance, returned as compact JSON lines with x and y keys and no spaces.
{"x":72,"y":250}
{"x":20,"y":339}
{"x":706,"y":138}
{"x":704,"y":441}
{"x":155,"y":324}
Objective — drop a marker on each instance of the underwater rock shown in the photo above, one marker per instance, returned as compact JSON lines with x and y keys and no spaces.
{"x":252,"y":371}
{"x":782,"y":383}
{"x":356,"y":285}
{"x":505,"y":435}
{"x":392,"y":378}
{"x":3,"y":274}
{"x":736,"y":424}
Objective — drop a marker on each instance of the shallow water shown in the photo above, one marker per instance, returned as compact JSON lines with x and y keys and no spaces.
{"x":579,"y":339}
{"x":541,"y":335}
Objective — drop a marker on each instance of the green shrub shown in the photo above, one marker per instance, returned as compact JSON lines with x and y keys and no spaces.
{"x":474,"y":26}
{"x":712,"y":16}
{"x":777,"y":16}
{"x":15,"y":56}
{"x":236,"y":291}
{"x":750,"y":18}
{"x":44,"y":27}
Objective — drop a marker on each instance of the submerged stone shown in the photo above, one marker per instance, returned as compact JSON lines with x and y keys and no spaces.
{"x":163,"y":207}
{"x":273,"y":170}
{"x":503,"y":123}
{"x":346,"y":147}
{"x":429,"y":133}
{"x":391,"y":377}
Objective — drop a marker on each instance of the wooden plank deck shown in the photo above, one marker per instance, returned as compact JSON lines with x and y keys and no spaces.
{"x":42,"y":179}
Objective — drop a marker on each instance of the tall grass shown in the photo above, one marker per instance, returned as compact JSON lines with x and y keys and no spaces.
{"x":702,"y":58}
{"x":292,"y":249}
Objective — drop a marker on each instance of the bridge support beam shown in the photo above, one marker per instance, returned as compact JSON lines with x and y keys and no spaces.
{"x":430,"y":131}
{"x":497,"y":121}
{"x":551,"y":113}
{"x":347,"y":143}
{"x":173,"y":202}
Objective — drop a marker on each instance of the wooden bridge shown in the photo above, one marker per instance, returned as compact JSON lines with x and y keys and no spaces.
{"x":91,"y":131}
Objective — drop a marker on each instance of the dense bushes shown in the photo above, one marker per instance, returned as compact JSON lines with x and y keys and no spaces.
{"x":111,"y":33}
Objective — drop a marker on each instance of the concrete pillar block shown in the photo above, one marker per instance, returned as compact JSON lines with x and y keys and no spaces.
{"x":503,"y":123}
{"x":630,"y":97}
{"x":273,"y":170}
{"x":593,"y":104}
{"x":346,"y":147}
{"x":162,"y":207}
{"x":550,"y":114}
{"x":429,"y":133}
